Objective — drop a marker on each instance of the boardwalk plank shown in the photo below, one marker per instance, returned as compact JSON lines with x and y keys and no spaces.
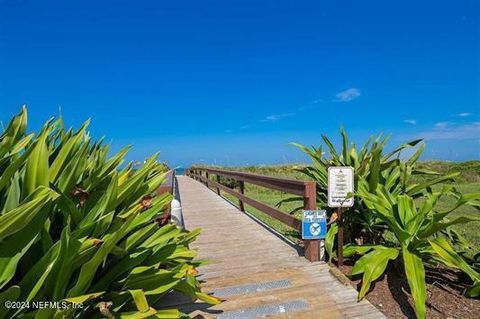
{"x":244,"y":253}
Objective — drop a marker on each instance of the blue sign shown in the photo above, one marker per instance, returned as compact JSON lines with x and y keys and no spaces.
{"x":314,"y":224}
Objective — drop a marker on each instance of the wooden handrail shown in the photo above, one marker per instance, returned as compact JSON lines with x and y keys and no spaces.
{"x":285,"y":185}
{"x":306,"y":189}
{"x":168,"y":186}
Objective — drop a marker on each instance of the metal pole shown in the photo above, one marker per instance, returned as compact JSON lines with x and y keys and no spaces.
{"x":340,"y":237}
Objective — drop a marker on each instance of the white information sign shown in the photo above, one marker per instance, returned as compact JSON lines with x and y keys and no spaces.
{"x":340,"y":183}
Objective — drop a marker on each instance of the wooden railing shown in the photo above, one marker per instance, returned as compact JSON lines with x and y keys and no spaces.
{"x":168,"y":186}
{"x":306,"y":189}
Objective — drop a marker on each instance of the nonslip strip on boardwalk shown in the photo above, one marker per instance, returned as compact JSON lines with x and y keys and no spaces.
{"x":251,"y":288}
{"x":267,"y":310}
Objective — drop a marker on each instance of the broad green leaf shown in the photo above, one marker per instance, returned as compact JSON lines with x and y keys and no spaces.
{"x":349,"y":250}
{"x":140,"y":300}
{"x":74,"y":169}
{"x":123,"y":266}
{"x":415,"y":274}
{"x":13,"y":168}
{"x":31,"y":282}
{"x":14,"y":247}
{"x":403,"y":146}
{"x":136,"y":180}
{"x":192,"y":235}
{"x":438,"y":226}
{"x":21,"y":145}
{"x":374,"y":170}
{"x":373,"y":265}
{"x":152,"y":281}
{"x":331,"y":148}
{"x":406,"y":209}
{"x":474,"y":291}
{"x":161,"y":254}
{"x":450,"y":257}
{"x":67,"y":149}
{"x":88,"y":270}
{"x":414,"y":158}
{"x":139,"y":236}
{"x":14,"y":220}
{"x":161,"y":236}
{"x":208,"y":298}
{"x":330,"y":240}
{"x":36,"y":169}
{"x":183,"y":252}
{"x":68,"y":207}
{"x":345,"y":155}
{"x":14,"y":131}
{"x":38,"y":285}
{"x":412,"y":190}
{"x":14,"y":193}
{"x":62,"y":271}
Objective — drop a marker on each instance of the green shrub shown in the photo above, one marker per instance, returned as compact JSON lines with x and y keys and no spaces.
{"x":77,"y":227}
{"x":372,"y":163}
{"x":418,"y":230}
{"x":394,"y":196}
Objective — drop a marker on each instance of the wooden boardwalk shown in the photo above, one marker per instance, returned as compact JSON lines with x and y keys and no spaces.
{"x":256,"y":273}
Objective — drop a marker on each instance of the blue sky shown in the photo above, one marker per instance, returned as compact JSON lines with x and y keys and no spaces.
{"x":232,"y":82}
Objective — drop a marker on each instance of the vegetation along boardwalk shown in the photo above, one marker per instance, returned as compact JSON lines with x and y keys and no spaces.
{"x":255,"y":272}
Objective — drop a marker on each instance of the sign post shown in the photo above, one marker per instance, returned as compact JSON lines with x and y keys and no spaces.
{"x":340,"y":184}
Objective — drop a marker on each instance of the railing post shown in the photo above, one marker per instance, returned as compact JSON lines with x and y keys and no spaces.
{"x":207,"y":176}
{"x":242,"y":191}
{"x":312,"y":247}
{"x":218,"y":181}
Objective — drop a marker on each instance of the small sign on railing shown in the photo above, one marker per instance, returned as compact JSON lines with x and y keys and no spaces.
{"x":314,"y":224}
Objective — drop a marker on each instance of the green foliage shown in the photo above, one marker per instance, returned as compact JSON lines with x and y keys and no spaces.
{"x":76,"y":226}
{"x":417,"y":228}
{"x":395,"y":196}
{"x":329,"y":241}
{"x":371,"y":163}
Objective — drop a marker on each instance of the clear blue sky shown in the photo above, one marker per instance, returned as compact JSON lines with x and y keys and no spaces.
{"x":232,"y":82}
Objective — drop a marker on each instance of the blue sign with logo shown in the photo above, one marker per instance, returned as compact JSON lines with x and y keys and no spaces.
{"x":314,"y":224}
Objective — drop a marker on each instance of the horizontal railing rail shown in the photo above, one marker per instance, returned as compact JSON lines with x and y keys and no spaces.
{"x":306,"y":189}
